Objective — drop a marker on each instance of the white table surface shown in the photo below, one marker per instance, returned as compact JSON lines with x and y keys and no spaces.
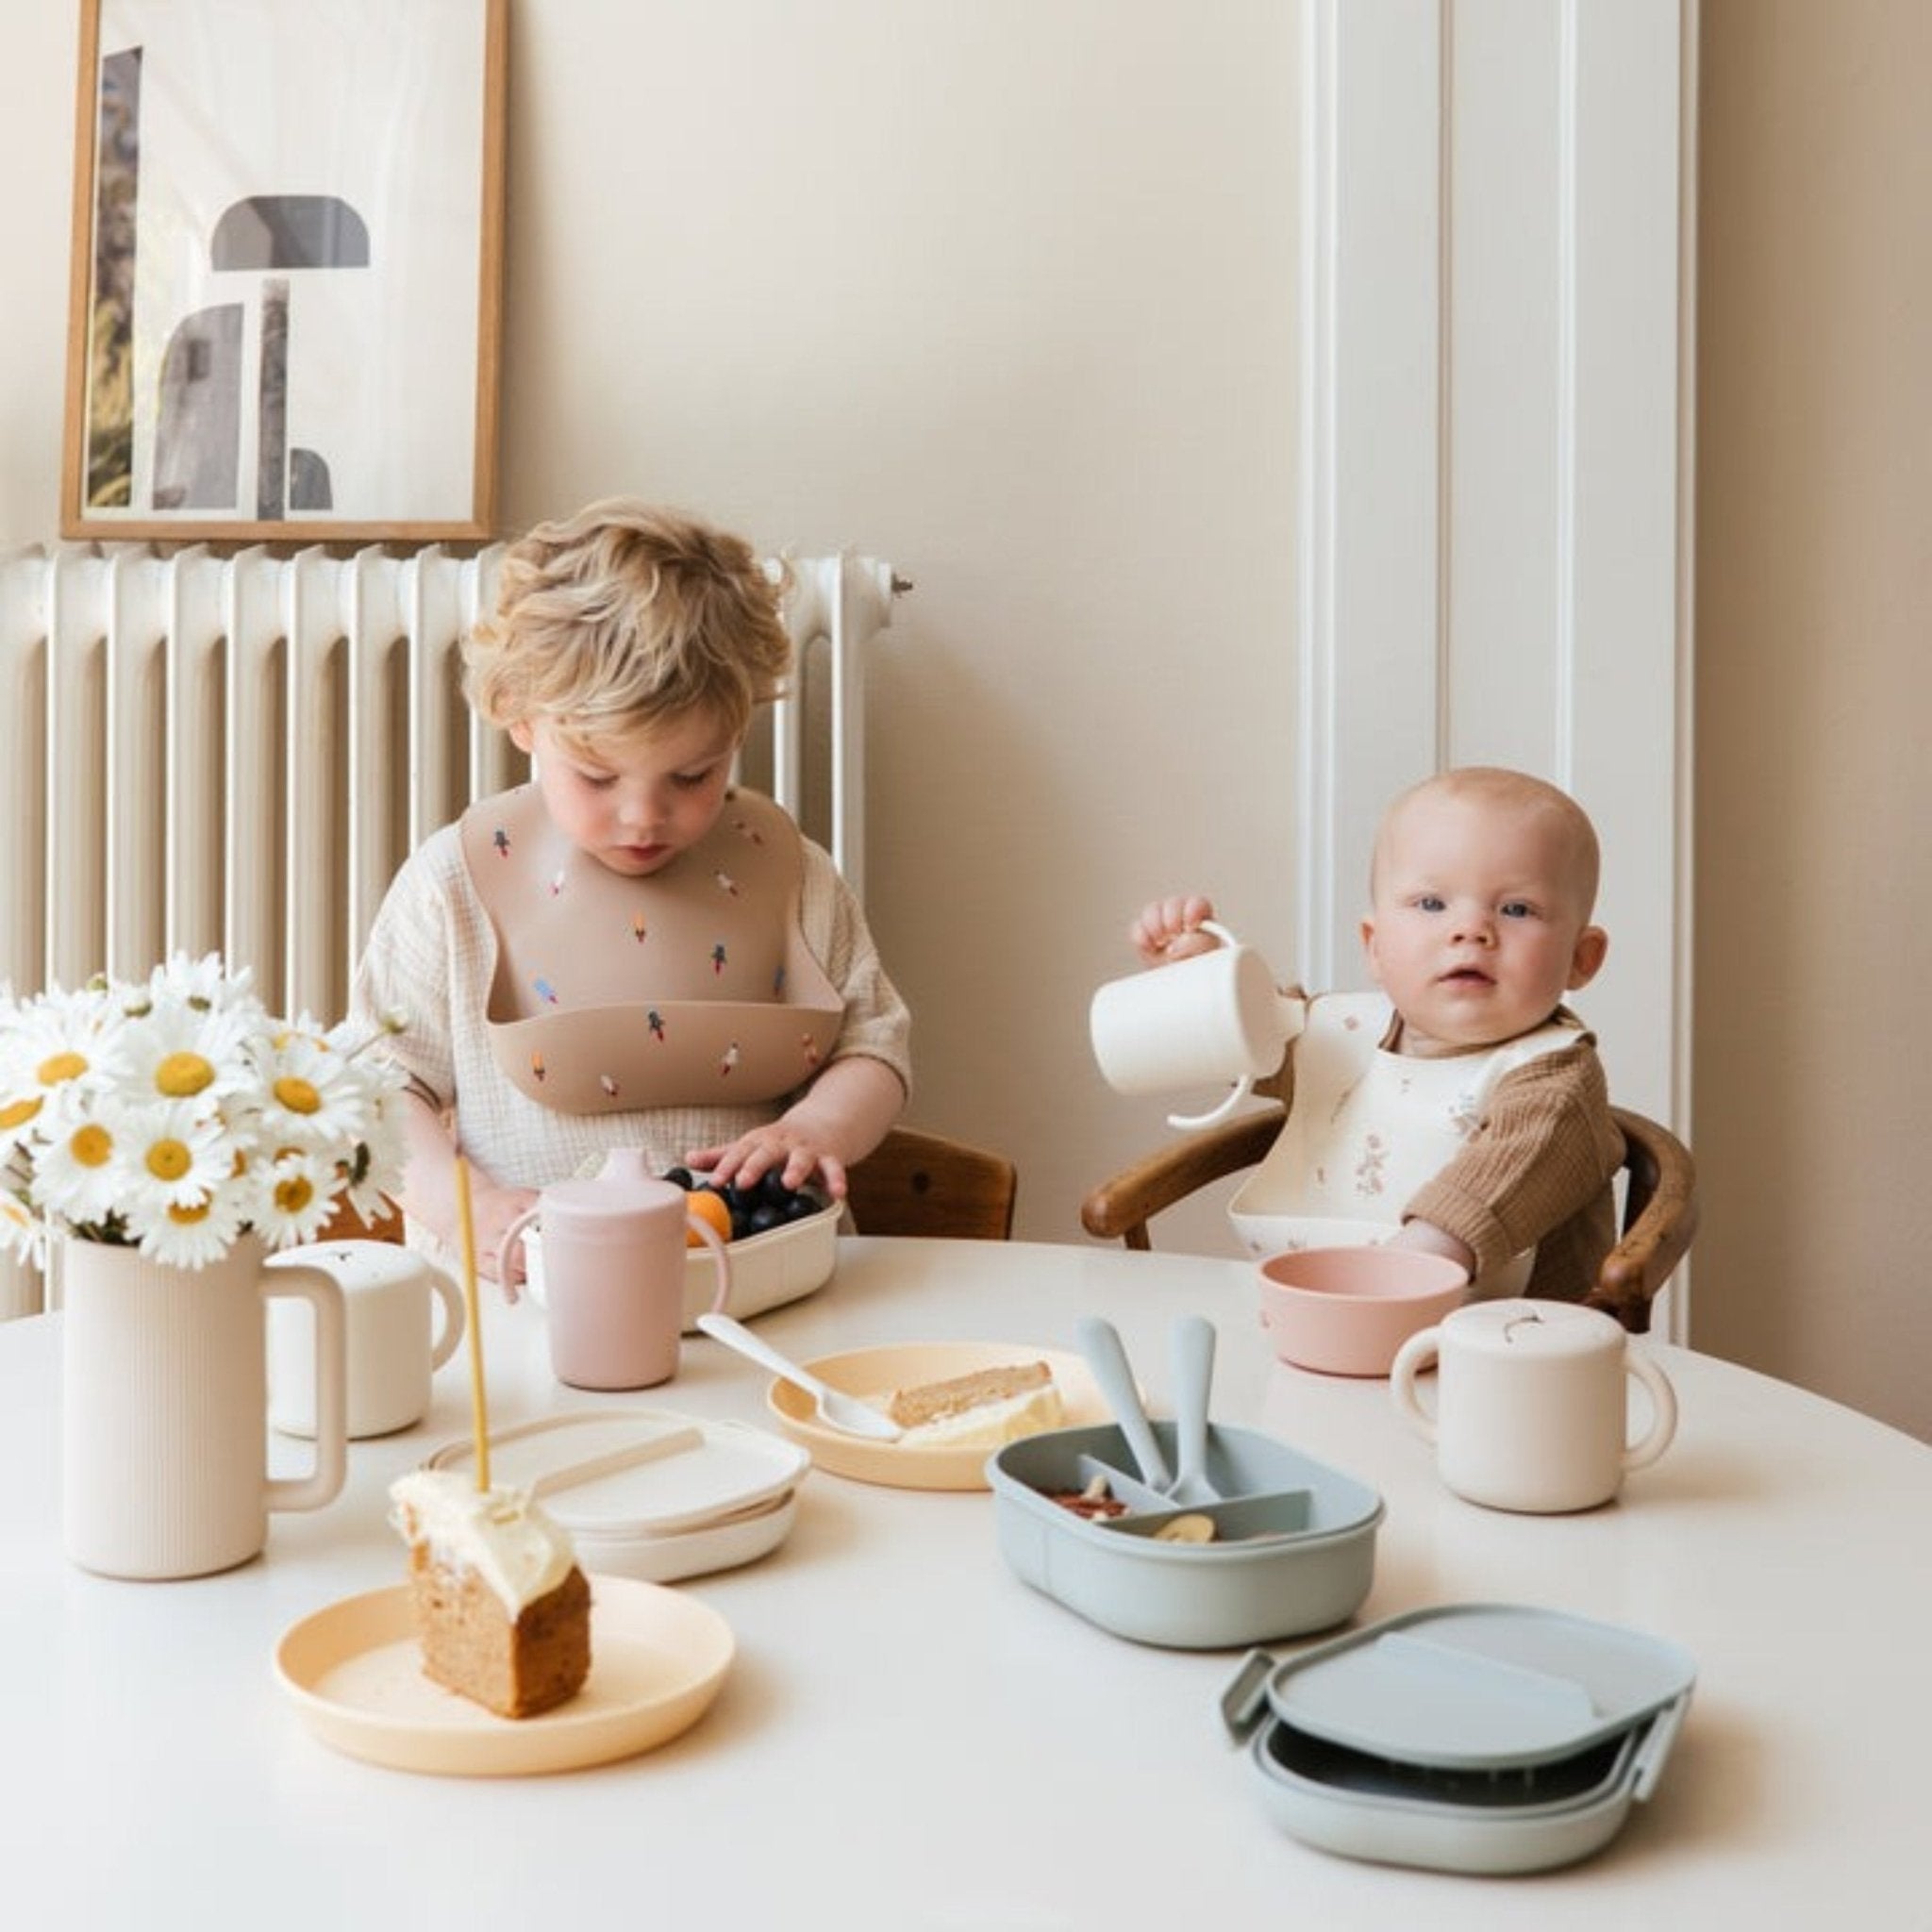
{"x":912,"y":1737}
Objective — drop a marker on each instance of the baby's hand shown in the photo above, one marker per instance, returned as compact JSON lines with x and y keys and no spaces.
{"x":1170,"y":929}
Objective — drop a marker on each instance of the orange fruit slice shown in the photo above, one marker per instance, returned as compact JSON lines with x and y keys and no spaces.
{"x":707,"y":1205}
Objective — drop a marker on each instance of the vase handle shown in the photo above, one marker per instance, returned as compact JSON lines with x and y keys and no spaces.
{"x":321,"y":1290}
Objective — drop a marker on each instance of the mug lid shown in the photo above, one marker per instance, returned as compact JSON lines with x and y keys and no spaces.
{"x":357,"y":1264}
{"x":1543,"y":1329}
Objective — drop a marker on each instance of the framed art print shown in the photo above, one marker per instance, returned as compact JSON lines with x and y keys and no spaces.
{"x":286,"y":290}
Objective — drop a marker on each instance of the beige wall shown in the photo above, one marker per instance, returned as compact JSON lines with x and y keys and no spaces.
{"x":1814,"y":688}
{"x":1001,"y":290}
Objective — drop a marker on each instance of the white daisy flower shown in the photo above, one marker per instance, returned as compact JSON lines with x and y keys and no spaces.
{"x":204,"y":983}
{"x":183,"y":1052}
{"x":176,"y":1155}
{"x":176,"y":1113}
{"x":52,"y":1049}
{"x":312,"y":1095}
{"x":19,"y":1233}
{"x":192,"y":1234}
{"x":296,"y":1201}
{"x":85,"y":1164}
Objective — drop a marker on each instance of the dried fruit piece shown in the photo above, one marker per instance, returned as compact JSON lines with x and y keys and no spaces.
{"x":1191,"y":1528}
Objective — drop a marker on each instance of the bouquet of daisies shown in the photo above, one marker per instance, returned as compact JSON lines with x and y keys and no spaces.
{"x":175,"y":1113}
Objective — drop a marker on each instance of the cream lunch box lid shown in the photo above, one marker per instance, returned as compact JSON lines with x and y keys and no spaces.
{"x":1480,"y":1687}
{"x":640,"y":1471}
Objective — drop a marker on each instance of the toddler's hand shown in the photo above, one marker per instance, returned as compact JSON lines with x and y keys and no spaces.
{"x":491,"y":1210}
{"x":794,"y":1153}
{"x":1170,"y":929}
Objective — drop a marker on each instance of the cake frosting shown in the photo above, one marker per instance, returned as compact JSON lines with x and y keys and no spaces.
{"x":500,"y":1535}
{"x":992,"y":1423}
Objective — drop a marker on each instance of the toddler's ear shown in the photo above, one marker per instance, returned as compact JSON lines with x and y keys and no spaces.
{"x":1368,"y":932}
{"x":1587,"y":960}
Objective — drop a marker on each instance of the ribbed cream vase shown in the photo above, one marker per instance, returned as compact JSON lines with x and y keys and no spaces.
{"x":164,"y":1425}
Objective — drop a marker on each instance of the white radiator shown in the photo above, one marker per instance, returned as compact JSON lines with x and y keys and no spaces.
{"x":203,"y":752}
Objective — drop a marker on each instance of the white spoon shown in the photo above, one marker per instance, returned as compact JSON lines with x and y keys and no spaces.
{"x":843,"y":1412}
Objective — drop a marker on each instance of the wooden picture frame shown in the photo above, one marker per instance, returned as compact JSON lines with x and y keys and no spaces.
{"x":285,"y":304}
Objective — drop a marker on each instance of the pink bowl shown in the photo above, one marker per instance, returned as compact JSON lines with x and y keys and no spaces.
{"x":1345,"y":1312}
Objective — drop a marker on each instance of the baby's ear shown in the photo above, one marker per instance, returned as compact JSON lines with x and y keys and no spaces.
{"x":1368,"y":932}
{"x":1586,"y":958}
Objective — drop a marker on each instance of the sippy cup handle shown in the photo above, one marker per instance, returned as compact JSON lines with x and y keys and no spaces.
{"x":509,"y":1239}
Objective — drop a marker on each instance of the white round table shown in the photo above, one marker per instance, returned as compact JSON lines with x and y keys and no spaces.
{"x":912,"y":1737}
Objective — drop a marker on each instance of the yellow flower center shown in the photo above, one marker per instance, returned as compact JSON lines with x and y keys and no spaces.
{"x":19,"y":1113}
{"x":181,"y":1076}
{"x":91,"y":1146}
{"x":293,"y":1194}
{"x":297,"y":1095}
{"x":190,"y":1217}
{"x":57,"y":1067}
{"x":168,"y":1160}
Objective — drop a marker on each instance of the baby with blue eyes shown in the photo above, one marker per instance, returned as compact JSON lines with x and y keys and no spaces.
{"x":1463,"y":1107}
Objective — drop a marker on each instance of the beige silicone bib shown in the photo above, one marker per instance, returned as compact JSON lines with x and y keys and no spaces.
{"x":690,"y":988}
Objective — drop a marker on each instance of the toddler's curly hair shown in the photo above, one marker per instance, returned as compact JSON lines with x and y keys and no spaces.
{"x":623,"y":618}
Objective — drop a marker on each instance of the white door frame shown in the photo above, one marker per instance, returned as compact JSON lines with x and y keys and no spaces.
{"x":1494,"y":541}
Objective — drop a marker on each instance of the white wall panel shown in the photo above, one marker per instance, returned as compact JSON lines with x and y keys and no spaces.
{"x":1491,"y":429}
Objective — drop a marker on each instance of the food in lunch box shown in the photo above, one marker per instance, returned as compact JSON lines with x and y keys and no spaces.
{"x":987,"y":1407}
{"x":739,"y":1212}
{"x":1095,"y":1500}
{"x":1191,"y":1528}
{"x":502,"y":1610}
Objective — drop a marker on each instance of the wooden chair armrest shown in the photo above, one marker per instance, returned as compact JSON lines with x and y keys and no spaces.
{"x":1659,"y":1235}
{"x":1120,"y":1208}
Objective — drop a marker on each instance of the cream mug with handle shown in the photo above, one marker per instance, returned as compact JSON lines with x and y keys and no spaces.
{"x":1212,"y":1017}
{"x":404,"y":1319}
{"x":1531,"y":1403}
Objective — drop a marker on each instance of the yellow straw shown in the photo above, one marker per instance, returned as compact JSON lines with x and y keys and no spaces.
{"x":479,"y":1422}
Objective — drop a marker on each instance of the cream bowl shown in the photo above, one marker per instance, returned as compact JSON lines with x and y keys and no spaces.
{"x":1346,"y":1311}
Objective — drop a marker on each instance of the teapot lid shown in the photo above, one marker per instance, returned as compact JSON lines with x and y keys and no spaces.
{"x":1543,"y":1329}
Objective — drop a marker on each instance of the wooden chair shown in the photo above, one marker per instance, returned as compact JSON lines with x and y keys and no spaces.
{"x":345,"y":1225}
{"x":915,"y":1183}
{"x":1659,"y":1201}
{"x":912,"y":1183}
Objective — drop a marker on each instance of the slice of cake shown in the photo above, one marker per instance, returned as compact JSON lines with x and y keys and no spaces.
{"x":501,"y":1607}
{"x":984,"y":1410}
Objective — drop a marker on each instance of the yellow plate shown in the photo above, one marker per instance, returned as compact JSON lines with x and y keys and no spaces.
{"x":879,"y":1371}
{"x":354,"y":1672}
